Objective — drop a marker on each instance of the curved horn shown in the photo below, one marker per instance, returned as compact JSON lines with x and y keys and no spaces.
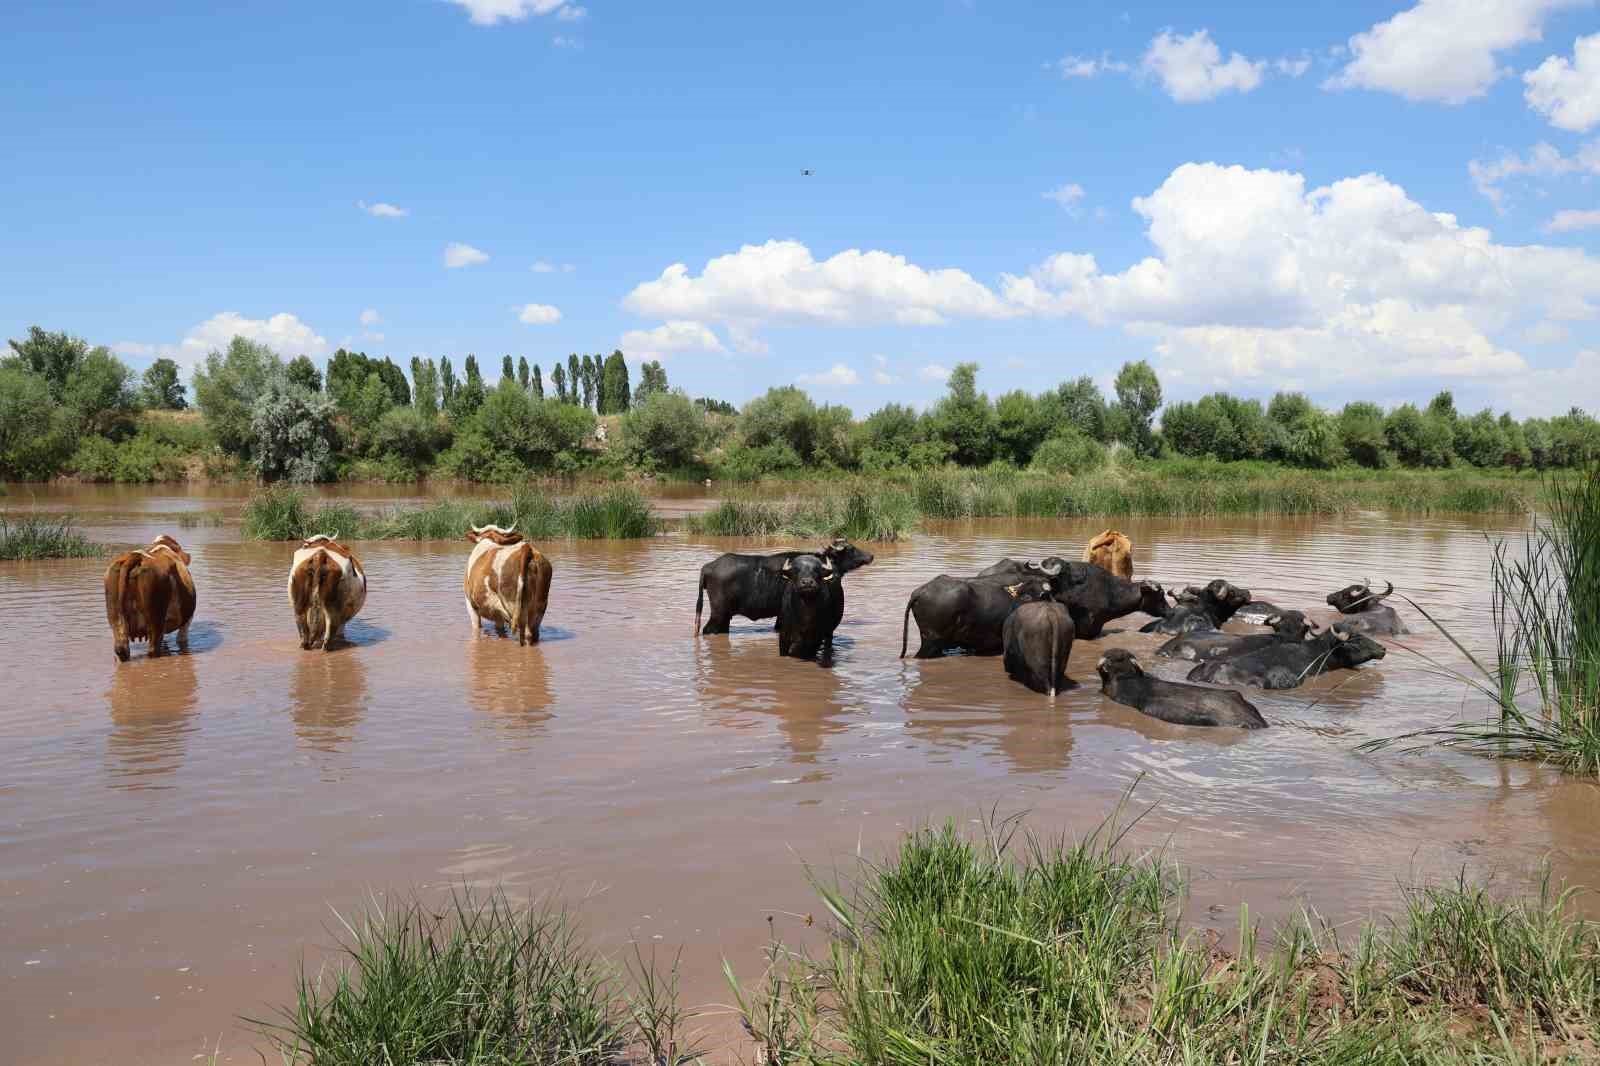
{"x":1052,"y":570}
{"x":512,"y":528}
{"x":828,"y":573}
{"x":335,"y":535}
{"x":1385,"y":594}
{"x":788,"y":565}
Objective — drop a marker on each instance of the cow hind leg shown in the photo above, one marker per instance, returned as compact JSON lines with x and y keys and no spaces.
{"x":156,"y":595}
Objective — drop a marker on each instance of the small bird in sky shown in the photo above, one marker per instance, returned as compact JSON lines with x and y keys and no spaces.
{"x":805,"y":173}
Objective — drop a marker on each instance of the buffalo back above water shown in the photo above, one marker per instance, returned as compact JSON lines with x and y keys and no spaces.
{"x":967,"y":613}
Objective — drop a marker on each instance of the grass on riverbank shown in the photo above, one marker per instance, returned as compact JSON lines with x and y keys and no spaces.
{"x":859,"y":512}
{"x":1545,"y":680}
{"x":288,"y":514}
{"x":961,"y":951}
{"x":27,"y":537}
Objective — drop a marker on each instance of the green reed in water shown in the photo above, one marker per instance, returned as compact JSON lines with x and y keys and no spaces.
{"x":862,"y":511}
{"x":1545,"y":604}
{"x":962,"y":950}
{"x":285,"y":514}
{"x":29,"y":536}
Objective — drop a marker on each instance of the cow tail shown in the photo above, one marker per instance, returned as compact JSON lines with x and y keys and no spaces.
{"x":524,"y":594}
{"x":327,"y":577}
{"x":122,"y":571}
{"x":905,"y":626}
{"x":1055,"y":632}
{"x":699,"y":601}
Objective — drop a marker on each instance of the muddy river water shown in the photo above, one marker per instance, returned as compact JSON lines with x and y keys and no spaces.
{"x":175,"y":832}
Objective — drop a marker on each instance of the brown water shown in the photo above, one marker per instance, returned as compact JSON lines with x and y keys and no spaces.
{"x":174,"y":832}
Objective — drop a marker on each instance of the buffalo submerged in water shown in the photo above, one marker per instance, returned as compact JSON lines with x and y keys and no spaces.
{"x":1200,"y":609}
{"x":1286,"y":664}
{"x":752,"y":586}
{"x":1092,"y":594}
{"x":1365,"y":611}
{"x":1123,"y":680}
{"x":1203,"y":646}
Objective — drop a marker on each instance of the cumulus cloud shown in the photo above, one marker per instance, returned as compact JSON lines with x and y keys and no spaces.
{"x":571,"y":13}
{"x":882,"y":377}
{"x":1543,"y":161}
{"x":382,"y":210}
{"x":837,"y":376}
{"x":670,"y":337}
{"x":1068,"y":196}
{"x":493,"y":12}
{"x":1089,"y":67}
{"x":934,"y":372}
{"x":1546,"y":333}
{"x":1443,"y":50}
{"x":1568,"y":93}
{"x":1191,"y":69}
{"x":1292,"y":68}
{"x":1553,"y":391}
{"x":1567,"y":221}
{"x":284,"y":333}
{"x":457,"y":254}
{"x":370,"y":317}
{"x":538,"y":314}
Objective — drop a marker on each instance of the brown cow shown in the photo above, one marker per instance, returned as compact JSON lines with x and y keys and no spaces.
{"x":327,"y":588}
{"x":507,"y":583}
{"x":148,"y":594}
{"x":1111,"y":551}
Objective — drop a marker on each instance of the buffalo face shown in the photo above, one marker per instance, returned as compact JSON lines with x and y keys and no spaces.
{"x":1352,"y":647}
{"x":1152,"y":599}
{"x":1116,"y":664}
{"x":807,"y":573}
{"x":1230,"y":597}
{"x":1355,"y":598}
{"x":1289,"y":625}
{"x":845,"y":556}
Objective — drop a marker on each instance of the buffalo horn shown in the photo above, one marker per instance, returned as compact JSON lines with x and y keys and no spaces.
{"x":1046,"y":566}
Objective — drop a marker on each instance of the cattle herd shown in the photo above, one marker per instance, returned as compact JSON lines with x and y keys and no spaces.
{"x":1031,"y":614}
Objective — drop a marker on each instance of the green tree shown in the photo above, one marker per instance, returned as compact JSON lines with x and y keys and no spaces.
{"x":615,"y":386}
{"x":425,"y":388}
{"x":406,"y":438}
{"x":303,"y":372}
{"x":36,"y":435}
{"x":1079,"y":404}
{"x":162,"y":389}
{"x":470,"y":393}
{"x":522,"y":372}
{"x":53,"y":356}
{"x":1138,"y":395}
{"x":1418,"y":439}
{"x":447,"y":382}
{"x":1021,"y":425}
{"x":536,"y":383}
{"x":586,"y":379}
{"x":558,"y":378}
{"x":508,"y":369}
{"x":665,"y":431}
{"x":1361,"y":433}
{"x":535,"y":432}
{"x":574,"y":380}
{"x":1443,"y":405}
{"x":1480,"y":440}
{"x":226,"y":387}
{"x":1069,"y":451}
{"x":293,"y":432}
{"x":652,"y":379}
{"x":100,"y":395}
{"x":964,"y":420}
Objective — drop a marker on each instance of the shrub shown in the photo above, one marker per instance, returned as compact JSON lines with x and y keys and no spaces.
{"x":743,"y":463}
{"x":533,"y":432}
{"x":1361,"y":433}
{"x":36,"y":436}
{"x":406,"y":440}
{"x":276,"y":513}
{"x":26,"y":537}
{"x":142,"y":460}
{"x":665,"y":431}
{"x":1069,"y":451}
{"x":1418,"y":439}
{"x":293,"y":434}
{"x":964,"y":420}
{"x":100,"y":395}
{"x":226,"y":388}
{"x":786,"y":416}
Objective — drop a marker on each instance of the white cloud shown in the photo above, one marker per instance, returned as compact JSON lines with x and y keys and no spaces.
{"x":780,"y":280}
{"x":563,"y":41}
{"x":837,"y":376}
{"x":1443,"y":50}
{"x":571,"y":13}
{"x":1568,"y":94}
{"x":493,"y":12}
{"x":1068,"y":196}
{"x":538,"y":314}
{"x":283,"y":333}
{"x":1567,"y":221}
{"x":1191,"y":69}
{"x":457,"y":254}
{"x":382,"y":210}
{"x":1544,"y":161}
{"x":544,"y":266}
{"x":670,"y":337}
{"x":1546,"y":333}
{"x":1089,"y":67}
{"x":934,"y":372}
{"x":370,"y":317}
{"x":883,"y":377}
{"x":135,"y":349}
{"x":1554,"y":391}
{"x":1292,"y":67}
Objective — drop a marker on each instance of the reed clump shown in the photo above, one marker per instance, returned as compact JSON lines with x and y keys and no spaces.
{"x":1544,"y":682}
{"x":858,"y":511}
{"x":1013,"y":950}
{"x":286,"y":514}
{"x":28,"y":536}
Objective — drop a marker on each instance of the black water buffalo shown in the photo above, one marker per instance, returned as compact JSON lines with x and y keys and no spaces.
{"x":1123,"y":681}
{"x":1038,"y":640}
{"x":1287,"y":663}
{"x":1256,"y":612}
{"x":1093,"y":594}
{"x":752,"y":585}
{"x":813,"y":604}
{"x":1207,"y":645}
{"x":968,"y":613}
{"x":1364,"y":610}
{"x":1201,"y":609}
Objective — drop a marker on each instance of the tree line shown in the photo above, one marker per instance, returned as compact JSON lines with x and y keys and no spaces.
{"x":67,"y":407}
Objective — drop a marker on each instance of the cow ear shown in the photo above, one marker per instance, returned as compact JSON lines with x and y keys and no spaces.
{"x":186,"y":559}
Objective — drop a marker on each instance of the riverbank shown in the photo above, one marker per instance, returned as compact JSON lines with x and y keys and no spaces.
{"x":997,"y":948}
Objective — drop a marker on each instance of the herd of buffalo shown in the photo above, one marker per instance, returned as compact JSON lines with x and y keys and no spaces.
{"x":1031,"y":613}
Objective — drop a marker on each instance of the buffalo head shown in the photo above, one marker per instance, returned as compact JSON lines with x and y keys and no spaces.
{"x":1353,"y":599}
{"x":1351,"y":647}
{"x":1030,"y":589}
{"x":1118,"y":663}
{"x":806,"y":574}
{"x":1229,"y":596}
{"x":1152,"y":599}
{"x":1290,"y":625}
{"x":845,"y":556}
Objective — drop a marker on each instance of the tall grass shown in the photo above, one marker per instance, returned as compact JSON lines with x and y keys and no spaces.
{"x":1012,"y":950}
{"x":27,"y":536}
{"x":285,"y":514}
{"x":1545,"y":604}
{"x":860,"y":511}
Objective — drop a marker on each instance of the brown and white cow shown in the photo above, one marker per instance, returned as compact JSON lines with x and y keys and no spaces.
{"x":507,"y":583}
{"x":1111,"y":551}
{"x":149,"y":593}
{"x":327,"y":587}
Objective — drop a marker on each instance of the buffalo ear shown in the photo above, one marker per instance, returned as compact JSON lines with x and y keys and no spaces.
{"x":1014,"y":590}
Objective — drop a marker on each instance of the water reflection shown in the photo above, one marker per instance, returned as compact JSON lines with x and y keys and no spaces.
{"x":740,"y":676}
{"x":327,"y":697}
{"x":152,"y":702}
{"x":509,"y":683}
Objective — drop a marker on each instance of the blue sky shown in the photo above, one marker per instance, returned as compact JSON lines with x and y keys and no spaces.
{"x":1361,"y":200}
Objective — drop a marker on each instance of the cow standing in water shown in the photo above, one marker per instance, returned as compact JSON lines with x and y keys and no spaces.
{"x":507,"y":583}
{"x":1111,"y":551}
{"x":149,"y":593}
{"x":327,"y":587}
